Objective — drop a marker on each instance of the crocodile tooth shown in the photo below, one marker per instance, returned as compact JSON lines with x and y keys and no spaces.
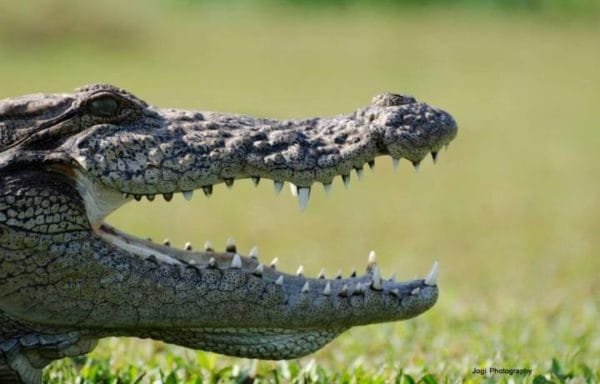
{"x":327,"y":188}
{"x":415,"y":291}
{"x":208,"y":190}
{"x":303,"y":195}
{"x":230,"y":245}
{"x":305,"y":287}
{"x":434,"y":156}
{"x":255,"y":180}
{"x":327,"y":290}
{"x":168,"y":196}
{"x":150,"y":197}
{"x":274,"y":263}
{"x":416,"y":165}
{"x":344,"y":291}
{"x":279,"y":280}
{"x":254,"y":253}
{"x":360,"y":289}
{"x":371,"y":164}
{"x":188,"y":246}
{"x":359,"y":173}
{"x":236,"y":262}
{"x":346,"y":179}
{"x":228,"y":182}
{"x":376,"y":284}
{"x":126,"y":195}
{"x":208,"y":247}
{"x":353,"y":273}
{"x":393,"y":278}
{"x":431,"y":278}
{"x":339,"y":274}
{"x":167,"y":242}
{"x":395,"y":292}
{"x":371,"y":261}
{"x":300,"y":271}
{"x":188,"y":195}
{"x":321,"y":274}
{"x":259,"y":270}
{"x":278,"y":186}
{"x":191,"y":262}
{"x":137,"y":197}
{"x":294,"y":189}
{"x":395,"y":163}
{"x":212,"y":262}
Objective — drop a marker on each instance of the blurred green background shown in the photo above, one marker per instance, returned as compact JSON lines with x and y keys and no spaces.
{"x":511,"y":210}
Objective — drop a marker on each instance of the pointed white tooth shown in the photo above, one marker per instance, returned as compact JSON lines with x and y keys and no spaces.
{"x":359,"y":173}
{"x":278,"y":186}
{"x":230,"y":245}
{"x":395,"y":163}
{"x":188,"y":195}
{"x":393,"y":278}
{"x":279,"y":280}
{"x":321,"y":274}
{"x":274,"y":263}
{"x":212,"y":262}
{"x":415,"y":291}
{"x":327,"y":188}
{"x":303,"y":195}
{"x":208,"y":247}
{"x":339,"y":274}
{"x":372,"y":258}
{"x":327,"y":290}
{"x":300,"y":270}
{"x":254,"y":252}
{"x":344,"y":291}
{"x":188,"y":246}
{"x":434,"y":157}
{"x":353,"y":273}
{"x":376,"y":279}
{"x":395,"y":292}
{"x":431,"y":278}
{"x":360,"y":288}
{"x":167,"y":242}
{"x":192,"y":262}
{"x":294,"y":189}
{"x":305,"y":287}
{"x":260,"y":268}
{"x":346,"y":179}
{"x":417,"y":165}
{"x":236,"y":262}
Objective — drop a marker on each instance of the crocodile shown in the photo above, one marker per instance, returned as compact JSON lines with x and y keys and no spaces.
{"x":68,"y":279}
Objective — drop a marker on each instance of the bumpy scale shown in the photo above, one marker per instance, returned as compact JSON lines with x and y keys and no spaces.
{"x":68,"y":279}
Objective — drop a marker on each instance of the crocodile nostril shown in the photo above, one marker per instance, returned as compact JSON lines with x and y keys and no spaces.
{"x":392,"y":99}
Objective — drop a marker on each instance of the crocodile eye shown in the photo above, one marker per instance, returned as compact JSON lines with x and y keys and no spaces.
{"x":104,"y":106}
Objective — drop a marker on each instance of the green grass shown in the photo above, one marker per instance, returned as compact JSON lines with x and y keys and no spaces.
{"x":511,"y":211}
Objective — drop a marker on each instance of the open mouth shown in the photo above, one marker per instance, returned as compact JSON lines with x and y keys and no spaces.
{"x":223,"y":300}
{"x":68,"y":278}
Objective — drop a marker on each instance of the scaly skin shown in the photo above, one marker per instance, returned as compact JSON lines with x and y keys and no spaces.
{"x":67,"y":279}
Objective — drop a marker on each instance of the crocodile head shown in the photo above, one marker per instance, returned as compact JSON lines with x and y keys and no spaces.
{"x":68,"y":160}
